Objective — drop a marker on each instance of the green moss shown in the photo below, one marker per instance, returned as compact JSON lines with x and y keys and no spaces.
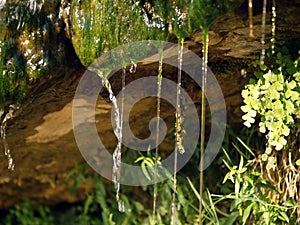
{"x":102,"y":25}
{"x":28,"y":46}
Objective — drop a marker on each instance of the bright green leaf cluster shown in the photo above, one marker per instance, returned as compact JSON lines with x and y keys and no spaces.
{"x":276,"y":100}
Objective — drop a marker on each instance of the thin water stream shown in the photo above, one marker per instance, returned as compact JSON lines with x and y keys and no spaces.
{"x":117,"y":154}
{"x":263,"y":32}
{"x":203,"y":115}
{"x":250,"y":12}
{"x":7,"y":117}
{"x":273,"y":26}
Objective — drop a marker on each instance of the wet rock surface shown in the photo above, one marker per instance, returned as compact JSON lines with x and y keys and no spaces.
{"x":41,"y":137}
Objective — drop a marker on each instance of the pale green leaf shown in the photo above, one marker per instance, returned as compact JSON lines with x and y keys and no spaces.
{"x":245,"y":108}
{"x":285,"y":130}
{"x":268,"y":150}
{"x":247,"y":213}
{"x":291,"y":85}
{"x":230,"y":219}
{"x":264,"y":157}
{"x":278,"y":146}
{"x":262,"y":127}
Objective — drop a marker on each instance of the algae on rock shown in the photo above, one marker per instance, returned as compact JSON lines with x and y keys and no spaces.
{"x":99,"y":26}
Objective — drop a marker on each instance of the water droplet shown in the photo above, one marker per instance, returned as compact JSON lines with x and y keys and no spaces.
{"x":250,"y":12}
{"x":121,"y":206}
{"x":117,"y":154}
{"x":8,"y":116}
{"x":133,"y":67}
{"x":273,"y":26}
{"x":244,"y":73}
{"x":263,"y":32}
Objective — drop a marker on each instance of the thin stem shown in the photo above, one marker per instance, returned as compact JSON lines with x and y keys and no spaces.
{"x":202,"y":137}
{"x":159,"y":79}
{"x":177,"y":132}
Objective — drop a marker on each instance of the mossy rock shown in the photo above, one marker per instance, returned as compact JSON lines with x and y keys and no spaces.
{"x":98,"y":26}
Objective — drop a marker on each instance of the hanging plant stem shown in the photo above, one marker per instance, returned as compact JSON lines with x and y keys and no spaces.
{"x":203,"y":114}
{"x":178,"y":135}
{"x":159,"y":79}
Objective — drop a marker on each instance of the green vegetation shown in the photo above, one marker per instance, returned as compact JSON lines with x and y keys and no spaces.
{"x":242,"y":196}
{"x":254,"y":180}
{"x":28,"y":47}
{"x":275,"y":97}
{"x":99,"y":26}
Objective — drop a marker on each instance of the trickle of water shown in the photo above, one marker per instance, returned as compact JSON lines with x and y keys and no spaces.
{"x":2,"y":3}
{"x":203,"y":114}
{"x":250,"y":12}
{"x":133,"y":67}
{"x":34,"y":7}
{"x":273,"y":25}
{"x":8,"y":116}
{"x":263,"y":32}
{"x":117,"y":154}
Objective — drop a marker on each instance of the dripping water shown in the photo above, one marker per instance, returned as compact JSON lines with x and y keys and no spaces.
{"x":273,"y":25}
{"x":159,"y":80}
{"x":117,"y":155}
{"x":250,"y":12}
{"x":116,"y":170}
{"x":202,"y":138}
{"x":178,"y":131}
{"x":8,"y":116}
{"x":132,"y":68}
{"x":263,"y":32}
{"x":2,"y":3}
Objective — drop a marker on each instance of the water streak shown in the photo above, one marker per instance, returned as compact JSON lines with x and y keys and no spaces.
{"x":117,"y":154}
{"x":34,"y":7}
{"x":2,"y":3}
{"x":203,"y":114}
{"x":273,"y":25}
{"x":8,"y":116}
{"x":133,"y":67}
{"x":263,"y":33}
{"x":250,"y":11}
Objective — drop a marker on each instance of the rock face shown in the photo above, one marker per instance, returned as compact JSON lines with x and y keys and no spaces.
{"x":41,"y":138}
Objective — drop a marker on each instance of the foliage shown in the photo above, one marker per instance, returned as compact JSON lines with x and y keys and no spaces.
{"x":275,"y":97}
{"x":27,"y":47}
{"x":99,"y":26}
{"x":12,"y":73}
{"x":26,"y":214}
{"x":245,"y":197}
{"x":204,"y":12}
{"x":248,"y":197}
{"x":253,"y":199}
